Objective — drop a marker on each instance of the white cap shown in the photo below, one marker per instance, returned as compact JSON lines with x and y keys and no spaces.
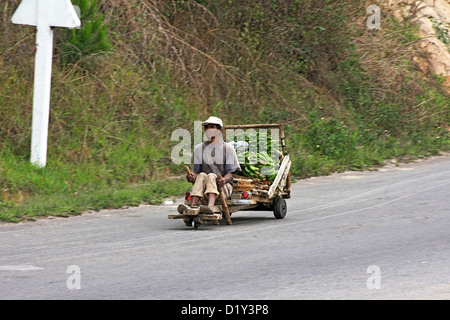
{"x":213,"y":120}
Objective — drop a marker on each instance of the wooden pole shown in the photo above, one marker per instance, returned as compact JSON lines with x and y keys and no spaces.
{"x":283,"y":140}
{"x":247,"y":126}
{"x":223,"y":201}
{"x":188,"y":170}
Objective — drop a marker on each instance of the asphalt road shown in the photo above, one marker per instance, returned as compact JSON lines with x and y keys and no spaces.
{"x":355,"y":235}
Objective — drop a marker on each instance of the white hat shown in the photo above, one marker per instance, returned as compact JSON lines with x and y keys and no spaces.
{"x":213,"y":120}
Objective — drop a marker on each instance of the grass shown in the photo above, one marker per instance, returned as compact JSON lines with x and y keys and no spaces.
{"x":63,"y":190}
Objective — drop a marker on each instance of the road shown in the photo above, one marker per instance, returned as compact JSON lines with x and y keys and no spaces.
{"x":356,"y":235}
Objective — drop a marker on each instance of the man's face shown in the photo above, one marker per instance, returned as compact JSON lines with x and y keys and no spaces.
{"x":212,"y":130}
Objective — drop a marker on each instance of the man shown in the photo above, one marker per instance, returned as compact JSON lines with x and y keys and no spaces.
{"x":212,"y":157}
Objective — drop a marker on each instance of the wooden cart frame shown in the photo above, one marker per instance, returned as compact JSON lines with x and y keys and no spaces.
{"x":256,"y":199}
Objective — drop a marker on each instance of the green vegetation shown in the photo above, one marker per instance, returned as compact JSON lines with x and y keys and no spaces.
{"x":257,"y":162}
{"x":349,"y":97}
{"x":90,"y":39}
{"x":442,"y":31}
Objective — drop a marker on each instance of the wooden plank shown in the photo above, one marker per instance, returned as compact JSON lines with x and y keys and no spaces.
{"x":288,"y":184}
{"x":192,"y":211}
{"x":258,"y":198}
{"x":281,"y":171}
{"x":283,"y":140}
{"x":176,"y":216}
{"x":248,"y":126}
{"x":214,"y":216}
{"x":210,"y":217}
{"x":281,"y":186}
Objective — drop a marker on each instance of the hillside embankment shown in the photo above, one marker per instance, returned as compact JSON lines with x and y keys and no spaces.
{"x":349,"y":97}
{"x":433,"y":19}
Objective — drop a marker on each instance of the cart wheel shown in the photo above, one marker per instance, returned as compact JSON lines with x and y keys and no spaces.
{"x":188,"y":222}
{"x":194,"y":224}
{"x":279,"y":208}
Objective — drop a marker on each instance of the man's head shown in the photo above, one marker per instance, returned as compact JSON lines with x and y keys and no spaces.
{"x":213,"y":128}
{"x":213,"y":120}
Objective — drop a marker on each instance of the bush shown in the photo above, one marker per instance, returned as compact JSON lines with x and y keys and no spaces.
{"x":90,"y":39}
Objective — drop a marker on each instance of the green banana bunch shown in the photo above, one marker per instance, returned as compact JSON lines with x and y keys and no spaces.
{"x":257,"y":164}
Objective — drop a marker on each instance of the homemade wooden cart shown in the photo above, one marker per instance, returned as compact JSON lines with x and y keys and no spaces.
{"x":249,"y":194}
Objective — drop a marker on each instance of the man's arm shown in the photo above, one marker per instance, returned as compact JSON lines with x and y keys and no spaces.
{"x":227,"y":178}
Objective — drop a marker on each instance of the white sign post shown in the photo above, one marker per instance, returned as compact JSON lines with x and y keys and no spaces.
{"x":44,"y":14}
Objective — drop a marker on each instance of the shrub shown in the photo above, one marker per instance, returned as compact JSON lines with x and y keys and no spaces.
{"x":90,"y":39}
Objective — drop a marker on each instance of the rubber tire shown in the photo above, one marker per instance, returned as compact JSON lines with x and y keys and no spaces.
{"x":279,"y":208}
{"x":194,"y":224}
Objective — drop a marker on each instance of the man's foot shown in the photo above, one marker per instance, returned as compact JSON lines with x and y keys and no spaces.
{"x":206,"y":210}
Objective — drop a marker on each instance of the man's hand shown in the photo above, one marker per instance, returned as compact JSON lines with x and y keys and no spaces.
{"x":221,"y":183}
{"x":190,"y":178}
{"x":228,"y":177}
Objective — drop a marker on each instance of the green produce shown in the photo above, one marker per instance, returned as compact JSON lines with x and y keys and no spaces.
{"x":256,"y":164}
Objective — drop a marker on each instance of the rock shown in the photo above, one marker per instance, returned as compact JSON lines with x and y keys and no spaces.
{"x":435,"y":56}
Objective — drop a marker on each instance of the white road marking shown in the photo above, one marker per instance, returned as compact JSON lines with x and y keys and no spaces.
{"x":20,"y":267}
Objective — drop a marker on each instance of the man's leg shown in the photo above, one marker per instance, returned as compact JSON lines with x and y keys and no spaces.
{"x":211,"y":189}
{"x":198,"y":188}
{"x":195,"y":201}
{"x":211,"y":200}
